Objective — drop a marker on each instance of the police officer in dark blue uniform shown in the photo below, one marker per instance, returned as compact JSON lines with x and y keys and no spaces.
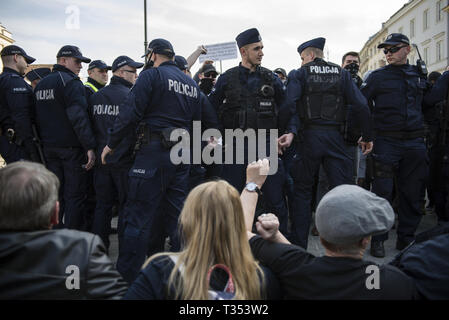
{"x":65,"y":131}
{"x":16,"y":107}
{"x":163,"y":98}
{"x":395,"y":94}
{"x":320,"y":91}
{"x":36,"y":75}
{"x":209,"y":120}
{"x":111,"y":179}
{"x":98,"y":77}
{"x":437,"y":100}
{"x":250,"y":97}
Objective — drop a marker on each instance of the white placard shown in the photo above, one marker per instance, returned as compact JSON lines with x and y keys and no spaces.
{"x":220,"y":51}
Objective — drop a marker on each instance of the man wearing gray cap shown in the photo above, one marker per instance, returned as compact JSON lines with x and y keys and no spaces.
{"x":346,"y":218}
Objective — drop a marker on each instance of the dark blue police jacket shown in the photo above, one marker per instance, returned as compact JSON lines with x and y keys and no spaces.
{"x":360,"y":112}
{"x":61,"y":111}
{"x":438,"y":92}
{"x":163,"y":97}
{"x":16,"y":104}
{"x":395,"y":94}
{"x":251,"y":81}
{"x":104,"y":107}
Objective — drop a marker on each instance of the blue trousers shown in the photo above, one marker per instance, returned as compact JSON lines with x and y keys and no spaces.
{"x":111,"y":186}
{"x":156,"y":194}
{"x":325,"y":147}
{"x":440,"y":183}
{"x":66,"y":164}
{"x":409,"y":162}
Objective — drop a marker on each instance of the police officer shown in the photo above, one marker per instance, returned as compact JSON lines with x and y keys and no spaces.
{"x":16,"y":105}
{"x":65,"y":130}
{"x":320,"y":91}
{"x":111,"y":179}
{"x":437,"y":99}
{"x":36,"y":75}
{"x":98,"y":77}
{"x":395,"y":94}
{"x":250,"y":97}
{"x":209,"y":120}
{"x":163,"y":98}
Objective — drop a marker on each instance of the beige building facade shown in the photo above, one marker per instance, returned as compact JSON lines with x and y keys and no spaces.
{"x":425,"y":23}
{"x":5,"y":40}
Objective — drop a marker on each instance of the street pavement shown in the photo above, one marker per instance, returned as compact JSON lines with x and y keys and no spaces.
{"x":428,"y":221}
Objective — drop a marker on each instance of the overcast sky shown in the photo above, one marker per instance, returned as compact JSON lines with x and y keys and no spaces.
{"x":108,"y":29}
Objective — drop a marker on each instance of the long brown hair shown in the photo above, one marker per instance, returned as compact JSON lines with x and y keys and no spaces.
{"x":213,"y":227}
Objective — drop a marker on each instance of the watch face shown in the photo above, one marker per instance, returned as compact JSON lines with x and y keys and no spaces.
{"x":251,"y":186}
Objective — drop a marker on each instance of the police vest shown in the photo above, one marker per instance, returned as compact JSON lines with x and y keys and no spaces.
{"x":323,"y":95}
{"x":90,"y":85}
{"x":243,"y":108}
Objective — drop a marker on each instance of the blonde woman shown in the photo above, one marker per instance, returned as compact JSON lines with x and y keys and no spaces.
{"x":213,"y":228}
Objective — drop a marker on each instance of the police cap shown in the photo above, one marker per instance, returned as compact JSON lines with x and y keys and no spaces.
{"x":125,"y":61}
{"x":247,"y":37}
{"x":181,"y":62}
{"x":100,"y":64}
{"x":161,"y":46}
{"x":12,"y":50}
{"x":72,"y":51}
{"x":37,"y":73}
{"x":315,"y":43}
{"x":393,"y":39}
{"x":348,"y":213}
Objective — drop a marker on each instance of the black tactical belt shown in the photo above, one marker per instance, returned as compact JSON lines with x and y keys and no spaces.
{"x":403,"y":135}
{"x":332,"y":127}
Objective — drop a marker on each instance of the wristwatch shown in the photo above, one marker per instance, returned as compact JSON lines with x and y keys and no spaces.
{"x":252,"y":187}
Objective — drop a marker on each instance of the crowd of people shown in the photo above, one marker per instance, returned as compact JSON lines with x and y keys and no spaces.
{"x":79,"y":153}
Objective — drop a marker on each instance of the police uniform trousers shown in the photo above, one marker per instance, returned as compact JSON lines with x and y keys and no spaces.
{"x":272,"y":199}
{"x":407,"y":162}
{"x":111,"y":188}
{"x":439,"y":156}
{"x":11,"y":152}
{"x":156,"y":194}
{"x":66,"y":164}
{"x":325,"y":147}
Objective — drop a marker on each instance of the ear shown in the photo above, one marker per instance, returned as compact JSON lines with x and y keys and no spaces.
{"x":54,"y":220}
{"x":365,"y":242}
{"x":242,"y":51}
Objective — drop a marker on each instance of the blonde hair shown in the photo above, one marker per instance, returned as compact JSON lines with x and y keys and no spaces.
{"x":213,"y":226}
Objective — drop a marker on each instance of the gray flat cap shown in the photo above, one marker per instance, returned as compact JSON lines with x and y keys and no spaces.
{"x":348,"y":213}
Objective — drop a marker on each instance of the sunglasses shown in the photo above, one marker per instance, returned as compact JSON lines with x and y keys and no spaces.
{"x":393,"y":49}
{"x":210,"y":75}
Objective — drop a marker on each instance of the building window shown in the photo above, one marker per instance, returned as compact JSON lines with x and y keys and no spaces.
{"x":426,"y":55}
{"x":439,"y":13}
{"x":412,"y":28}
{"x":425,"y":19}
{"x":439,"y":50}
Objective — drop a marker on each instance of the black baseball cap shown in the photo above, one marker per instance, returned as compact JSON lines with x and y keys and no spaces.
{"x":209,"y":68}
{"x":160,"y":46}
{"x":72,"y":51}
{"x":181,"y":62}
{"x":37,"y":73}
{"x":394,"y":39}
{"x":100,"y":64}
{"x":12,"y":50}
{"x":125,"y":61}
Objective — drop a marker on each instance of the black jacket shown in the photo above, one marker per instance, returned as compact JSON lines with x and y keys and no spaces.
{"x":43,"y":264}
